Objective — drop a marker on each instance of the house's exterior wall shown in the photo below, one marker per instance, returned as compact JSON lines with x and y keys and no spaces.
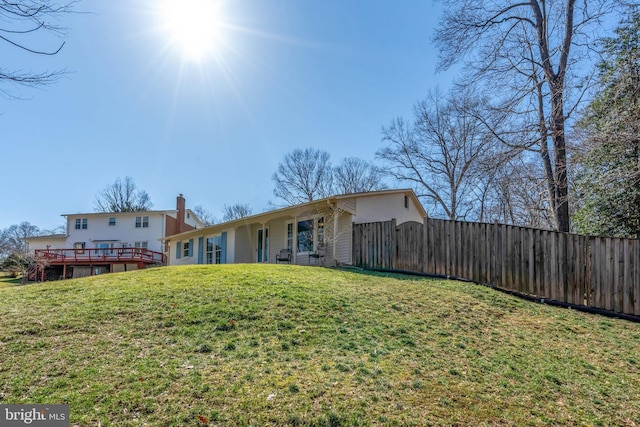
{"x":277,"y":238}
{"x":123,"y":234}
{"x":171,"y":226}
{"x":45,"y":243}
{"x":243,"y":252}
{"x":231,"y":246}
{"x":228,"y":255}
{"x":343,"y":238}
{"x":253,"y":239}
{"x":183,"y":259}
{"x":348,"y":204}
{"x":384,"y":207}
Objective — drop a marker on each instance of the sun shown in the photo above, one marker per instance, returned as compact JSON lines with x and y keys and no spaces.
{"x":192,"y":27}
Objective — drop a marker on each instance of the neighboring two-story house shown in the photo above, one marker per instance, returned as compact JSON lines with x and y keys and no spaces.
{"x":97,"y":243}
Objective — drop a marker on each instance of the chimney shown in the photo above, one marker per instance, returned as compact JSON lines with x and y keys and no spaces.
{"x":180,"y":206}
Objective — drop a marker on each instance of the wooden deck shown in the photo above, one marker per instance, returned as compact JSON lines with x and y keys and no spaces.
{"x":99,"y":256}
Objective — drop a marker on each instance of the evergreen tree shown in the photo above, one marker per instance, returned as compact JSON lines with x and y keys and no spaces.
{"x":608,"y":185}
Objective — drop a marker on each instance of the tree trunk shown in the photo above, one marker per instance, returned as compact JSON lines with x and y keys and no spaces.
{"x":561,"y":196}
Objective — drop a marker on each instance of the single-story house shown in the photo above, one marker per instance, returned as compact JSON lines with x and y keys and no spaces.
{"x":315,"y":232}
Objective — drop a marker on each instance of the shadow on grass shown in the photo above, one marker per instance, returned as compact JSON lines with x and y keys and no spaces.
{"x":6,"y":281}
{"x":391,"y":274}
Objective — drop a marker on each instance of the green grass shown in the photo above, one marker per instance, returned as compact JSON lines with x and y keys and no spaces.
{"x":253,"y":345}
{"x":6,"y":281}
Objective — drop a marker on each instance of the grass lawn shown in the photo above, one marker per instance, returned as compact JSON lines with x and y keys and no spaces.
{"x":6,"y":281}
{"x":266,"y":345}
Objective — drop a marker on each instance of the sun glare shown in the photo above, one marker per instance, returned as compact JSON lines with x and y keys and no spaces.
{"x":193,"y":27}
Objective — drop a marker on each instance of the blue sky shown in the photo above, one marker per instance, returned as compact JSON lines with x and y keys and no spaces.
{"x":285,"y":74}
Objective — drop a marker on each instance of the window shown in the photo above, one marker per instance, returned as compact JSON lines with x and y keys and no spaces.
{"x":112,"y":221}
{"x":305,"y":235}
{"x":104,"y":249}
{"x":310,"y":234}
{"x":81,"y":223}
{"x":214,"y":250}
{"x":78,"y":245}
{"x":218,"y":254}
{"x":141,"y":245}
{"x":290,"y":237}
{"x":406,"y":202}
{"x":142,"y":221}
{"x":209,"y":252}
{"x":186,"y":249}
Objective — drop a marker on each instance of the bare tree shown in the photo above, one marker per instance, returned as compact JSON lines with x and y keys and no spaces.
{"x":12,"y":239}
{"x":19,"y":21}
{"x":205,"y":216}
{"x":517,"y":195}
{"x":236,"y":211}
{"x":122,"y":196}
{"x":354,"y":175}
{"x":528,"y":53}
{"x":303,"y":176}
{"x":440,"y":153}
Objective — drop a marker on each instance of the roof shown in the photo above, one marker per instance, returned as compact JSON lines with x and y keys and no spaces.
{"x":265,"y":216}
{"x":137,"y":213}
{"x":48,"y":237}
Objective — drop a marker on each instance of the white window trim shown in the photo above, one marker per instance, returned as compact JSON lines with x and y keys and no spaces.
{"x":293,"y":236}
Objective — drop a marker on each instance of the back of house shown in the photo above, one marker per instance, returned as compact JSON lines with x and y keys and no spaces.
{"x":317,"y":232}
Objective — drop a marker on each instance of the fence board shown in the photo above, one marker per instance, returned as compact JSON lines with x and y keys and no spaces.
{"x":593,"y":271}
{"x":562,"y":267}
{"x":635,"y":274}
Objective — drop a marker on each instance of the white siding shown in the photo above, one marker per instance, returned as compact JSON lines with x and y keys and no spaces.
{"x":277,"y":238}
{"x":243,"y":246}
{"x":385,"y":207}
{"x":190,"y":220}
{"x":123,"y":233}
{"x":343,"y":240}
{"x":183,"y":260}
{"x":231,"y":246}
{"x":44,"y":243}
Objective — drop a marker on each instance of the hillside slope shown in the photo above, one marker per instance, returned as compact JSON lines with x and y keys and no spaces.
{"x":289,"y":345}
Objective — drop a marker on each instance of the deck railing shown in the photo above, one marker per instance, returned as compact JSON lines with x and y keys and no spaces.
{"x":100,"y":255}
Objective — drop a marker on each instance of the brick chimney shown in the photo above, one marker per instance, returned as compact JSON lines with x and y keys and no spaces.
{"x":181,"y":207}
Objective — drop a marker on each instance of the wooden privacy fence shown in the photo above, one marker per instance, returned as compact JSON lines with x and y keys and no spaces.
{"x":597,"y":272}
